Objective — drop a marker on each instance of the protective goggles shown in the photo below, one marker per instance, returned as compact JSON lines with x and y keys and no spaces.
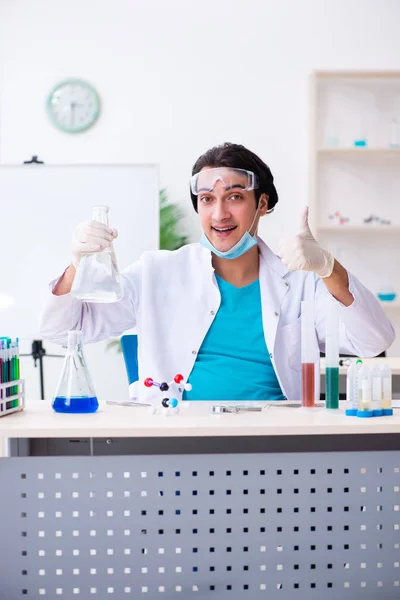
{"x":206,"y":180}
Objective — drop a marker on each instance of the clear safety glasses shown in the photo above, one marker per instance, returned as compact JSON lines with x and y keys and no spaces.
{"x":206,"y":180}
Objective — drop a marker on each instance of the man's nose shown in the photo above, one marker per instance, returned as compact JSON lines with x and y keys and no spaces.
{"x":221,"y":210}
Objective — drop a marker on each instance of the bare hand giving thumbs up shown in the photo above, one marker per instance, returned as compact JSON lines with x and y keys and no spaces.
{"x":302,"y":252}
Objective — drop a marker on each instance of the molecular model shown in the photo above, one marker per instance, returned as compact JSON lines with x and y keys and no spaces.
{"x":339,"y":218}
{"x":376,"y":219}
{"x":169,"y":404}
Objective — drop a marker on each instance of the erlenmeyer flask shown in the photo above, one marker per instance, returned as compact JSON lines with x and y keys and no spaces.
{"x":97,"y":278}
{"x":75,"y":392}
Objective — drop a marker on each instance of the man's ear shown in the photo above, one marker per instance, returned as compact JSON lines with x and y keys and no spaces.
{"x":263,"y":204}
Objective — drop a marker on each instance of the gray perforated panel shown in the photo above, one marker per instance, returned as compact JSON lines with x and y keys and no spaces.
{"x":281,"y":526}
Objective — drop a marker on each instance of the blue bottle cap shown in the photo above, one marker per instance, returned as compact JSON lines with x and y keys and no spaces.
{"x":351,"y":412}
{"x":365,"y":414}
{"x":378,"y":412}
{"x":387,"y":412}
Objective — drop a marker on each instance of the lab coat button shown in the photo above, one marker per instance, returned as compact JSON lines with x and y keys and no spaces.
{"x":286,"y":283}
{"x":194,"y":351}
{"x":276,"y":314}
{"x":270,"y":354}
{"x":212,"y":312}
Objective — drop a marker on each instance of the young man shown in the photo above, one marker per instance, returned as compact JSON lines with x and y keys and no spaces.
{"x":224,"y":312}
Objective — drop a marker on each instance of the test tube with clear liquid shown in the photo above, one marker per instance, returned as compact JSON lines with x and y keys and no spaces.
{"x":308,"y":354}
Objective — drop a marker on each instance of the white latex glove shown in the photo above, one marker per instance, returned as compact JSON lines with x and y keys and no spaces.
{"x":89,"y":237}
{"x":302,"y":252}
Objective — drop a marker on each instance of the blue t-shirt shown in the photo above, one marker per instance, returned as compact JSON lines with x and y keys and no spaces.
{"x":233,"y":362}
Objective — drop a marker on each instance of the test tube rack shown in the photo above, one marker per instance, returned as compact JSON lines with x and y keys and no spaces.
{"x":19,"y":397}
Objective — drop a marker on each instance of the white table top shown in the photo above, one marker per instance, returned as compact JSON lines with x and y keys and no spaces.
{"x":40,"y":421}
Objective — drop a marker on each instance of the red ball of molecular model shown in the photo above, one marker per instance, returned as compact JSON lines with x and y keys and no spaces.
{"x":169,"y":403}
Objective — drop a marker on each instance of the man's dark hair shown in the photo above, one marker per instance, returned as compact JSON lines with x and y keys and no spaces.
{"x":237,"y":156}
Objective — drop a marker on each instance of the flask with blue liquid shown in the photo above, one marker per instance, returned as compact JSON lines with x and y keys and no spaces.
{"x":75,"y":392}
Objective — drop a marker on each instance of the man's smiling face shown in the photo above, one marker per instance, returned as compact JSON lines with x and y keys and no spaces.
{"x":226,"y":212}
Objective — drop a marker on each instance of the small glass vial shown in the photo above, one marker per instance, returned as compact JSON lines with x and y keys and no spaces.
{"x":364,"y":393}
{"x":361,"y":140}
{"x":332,"y":136}
{"x":376,"y":391}
{"x":386,"y":374}
{"x":352,"y":388}
{"x":394,"y":134}
{"x":97,"y":278}
{"x":75,"y":392}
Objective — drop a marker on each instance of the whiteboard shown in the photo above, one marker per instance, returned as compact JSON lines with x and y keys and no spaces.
{"x":40,"y":207}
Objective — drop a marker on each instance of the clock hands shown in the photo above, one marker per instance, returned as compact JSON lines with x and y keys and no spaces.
{"x":73,"y":106}
{"x":72,"y":113}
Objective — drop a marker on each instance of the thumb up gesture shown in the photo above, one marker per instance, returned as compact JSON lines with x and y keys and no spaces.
{"x":302,"y":252}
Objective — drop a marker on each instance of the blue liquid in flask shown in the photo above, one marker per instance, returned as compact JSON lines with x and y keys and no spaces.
{"x":75,"y":392}
{"x":76,"y":404}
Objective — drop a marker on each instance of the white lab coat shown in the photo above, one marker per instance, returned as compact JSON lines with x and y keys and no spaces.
{"x":172,"y":298}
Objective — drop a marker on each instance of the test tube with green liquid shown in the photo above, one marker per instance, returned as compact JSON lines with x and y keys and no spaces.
{"x":332,"y":359}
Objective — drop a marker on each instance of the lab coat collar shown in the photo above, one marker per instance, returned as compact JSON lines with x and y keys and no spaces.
{"x":271,"y":260}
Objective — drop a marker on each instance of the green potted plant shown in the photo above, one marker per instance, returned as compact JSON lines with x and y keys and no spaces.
{"x":170,"y":215}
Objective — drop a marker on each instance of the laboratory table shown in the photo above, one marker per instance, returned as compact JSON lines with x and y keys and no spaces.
{"x":287,"y":503}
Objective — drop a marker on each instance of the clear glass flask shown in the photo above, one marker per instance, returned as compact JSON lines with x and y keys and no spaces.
{"x":75,"y":392}
{"x":97,"y":278}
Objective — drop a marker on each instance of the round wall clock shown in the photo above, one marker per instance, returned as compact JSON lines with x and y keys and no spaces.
{"x":73,"y":105}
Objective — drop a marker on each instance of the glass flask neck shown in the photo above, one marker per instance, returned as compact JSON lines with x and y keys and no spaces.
{"x":100,"y":213}
{"x":74,"y":340}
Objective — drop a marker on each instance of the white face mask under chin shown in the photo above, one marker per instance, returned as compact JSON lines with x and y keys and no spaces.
{"x":246,"y":242}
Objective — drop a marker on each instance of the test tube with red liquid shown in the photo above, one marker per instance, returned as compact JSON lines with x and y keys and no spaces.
{"x":308,"y":354}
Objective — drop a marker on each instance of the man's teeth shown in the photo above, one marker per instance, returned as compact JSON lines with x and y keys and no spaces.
{"x":224,"y":228}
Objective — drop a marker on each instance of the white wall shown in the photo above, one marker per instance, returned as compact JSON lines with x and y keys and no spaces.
{"x":177,"y":77}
